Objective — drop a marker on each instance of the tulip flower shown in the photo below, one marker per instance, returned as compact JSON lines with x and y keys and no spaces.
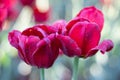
{"x":40,"y":45}
{"x":87,"y":36}
{"x":35,"y":46}
{"x":83,"y":35}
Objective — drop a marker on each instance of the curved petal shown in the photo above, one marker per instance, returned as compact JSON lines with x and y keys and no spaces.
{"x":74,"y":21}
{"x":17,"y":40}
{"x":30,"y":47}
{"x":59,"y":26}
{"x":105,"y":46}
{"x":21,"y":49}
{"x":91,"y":52}
{"x":93,"y":15}
{"x":46,"y":53}
{"x":86,"y":35}
{"x":13,"y":38}
{"x":69,"y":46}
{"x":45,"y":28}
{"x":35,"y":31}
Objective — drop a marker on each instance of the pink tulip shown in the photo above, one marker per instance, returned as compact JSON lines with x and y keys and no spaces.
{"x":83,"y":35}
{"x":35,"y":46}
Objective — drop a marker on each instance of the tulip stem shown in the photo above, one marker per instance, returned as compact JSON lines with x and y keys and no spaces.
{"x":75,"y":68}
{"x":42,"y":76}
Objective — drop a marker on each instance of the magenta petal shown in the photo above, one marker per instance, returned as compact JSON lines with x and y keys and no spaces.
{"x":17,"y":40}
{"x":13,"y":38}
{"x":74,"y":21}
{"x":35,"y":31}
{"x":21,"y":49}
{"x":92,"y":52}
{"x":46,"y":53}
{"x":69,"y":46}
{"x":44,"y":29}
{"x":106,"y":46}
{"x":42,"y":56}
{"x":86,"y":35}
{"x":59,"y":26}
{"x":30,"y":47}
{"x":93,"y":15}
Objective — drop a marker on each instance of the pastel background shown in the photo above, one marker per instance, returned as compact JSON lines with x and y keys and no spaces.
{"x":98,"y":67}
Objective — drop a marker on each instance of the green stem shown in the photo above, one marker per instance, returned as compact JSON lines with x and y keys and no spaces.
{"x":42,"y":76}
{"x":75,"y":68}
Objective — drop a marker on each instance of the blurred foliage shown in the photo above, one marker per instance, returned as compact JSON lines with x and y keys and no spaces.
{"x":98,"y":67}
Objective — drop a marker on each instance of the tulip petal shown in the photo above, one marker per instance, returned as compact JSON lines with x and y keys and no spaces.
{"x":59,"y":26}
{"x":15,"y":40}
{"x":46,"y":53}
{"x":69,"y":46}
{"x":93,"y":15}
{"x":86,"y":35}
{"x":35,"y":31}
{"x":105,"y":46}
{"x":30,"y":47}
{"x":74,"y":21}
{"x":91,"y":52}
{"x":45,"y":28}
{"x":21,"y":49}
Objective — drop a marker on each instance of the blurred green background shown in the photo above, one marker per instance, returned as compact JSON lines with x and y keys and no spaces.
{"x":98,"y":67}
